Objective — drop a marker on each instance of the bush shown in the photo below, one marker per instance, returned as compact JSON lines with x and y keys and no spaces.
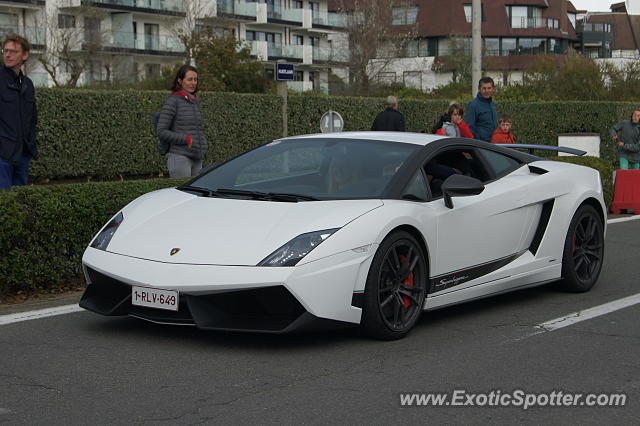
{"x":45,"y":229}
{"x":108,"y":134}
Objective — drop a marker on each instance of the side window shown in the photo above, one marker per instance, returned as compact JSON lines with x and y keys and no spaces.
{"x":501,"y":164}
{"x":463,"y":160}
{"x":417,"y":188}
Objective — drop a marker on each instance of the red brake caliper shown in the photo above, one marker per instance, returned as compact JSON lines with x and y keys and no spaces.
{"x":408,"y":282}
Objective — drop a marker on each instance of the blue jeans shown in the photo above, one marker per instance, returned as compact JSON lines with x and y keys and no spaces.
{"x":12,"y":175}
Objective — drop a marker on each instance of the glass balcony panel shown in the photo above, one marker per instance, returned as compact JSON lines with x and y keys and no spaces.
{"x":292,"y":15}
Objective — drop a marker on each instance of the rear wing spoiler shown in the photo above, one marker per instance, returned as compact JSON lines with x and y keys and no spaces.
{"x":532,"y":148}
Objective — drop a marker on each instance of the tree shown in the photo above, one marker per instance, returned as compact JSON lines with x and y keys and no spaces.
{"x":225,"y":64}
{"x":569,"y":77}
{"x":71,"y":47}
{"x":374,"y":43}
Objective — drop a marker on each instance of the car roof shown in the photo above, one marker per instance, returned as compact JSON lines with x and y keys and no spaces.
{"x":402,"y":137}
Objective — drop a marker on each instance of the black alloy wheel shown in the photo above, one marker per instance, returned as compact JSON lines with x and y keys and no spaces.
{"x":396,"y":287}
{"x":583,"y":250}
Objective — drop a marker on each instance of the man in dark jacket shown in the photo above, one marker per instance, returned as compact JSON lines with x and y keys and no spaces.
{"x":482,"y":117}
{"x":18,"y":114}
{"x":390,"y":119}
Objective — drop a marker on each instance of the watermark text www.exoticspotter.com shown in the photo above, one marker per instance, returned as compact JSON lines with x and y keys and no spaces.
{"x":517,"y":398}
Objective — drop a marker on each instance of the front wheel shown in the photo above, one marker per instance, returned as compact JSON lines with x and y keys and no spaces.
{"x":396,"y":287}
{"x":583,"y":250}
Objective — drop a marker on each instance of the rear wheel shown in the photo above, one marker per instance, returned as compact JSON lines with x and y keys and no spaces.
{"x":396,"y":287}
{"x":583,"y":250}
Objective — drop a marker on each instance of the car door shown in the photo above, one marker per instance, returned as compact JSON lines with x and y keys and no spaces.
{"x":483,"y":232}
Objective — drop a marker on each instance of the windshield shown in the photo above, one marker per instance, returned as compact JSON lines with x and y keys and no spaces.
{"x":313,"y":168}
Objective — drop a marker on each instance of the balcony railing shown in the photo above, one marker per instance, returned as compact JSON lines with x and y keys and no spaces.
{"x":330,"y":54}
{"x":232,"y":7}
{"x":330,"y":19}
{"x":597,"y":28}
{"x":165,"y":5}
{"x":292,"y":15}
{"x":37,"y":36}
{"x":523,"y":22}
{"x":129,"y":40}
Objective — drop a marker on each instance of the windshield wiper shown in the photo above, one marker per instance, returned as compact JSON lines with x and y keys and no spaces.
{"x":266,"y":196}
{"x":202,"y":191}
{"x":297,"y":197}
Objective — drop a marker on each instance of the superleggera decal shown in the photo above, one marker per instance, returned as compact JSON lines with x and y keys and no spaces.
{"x":452,"y":279}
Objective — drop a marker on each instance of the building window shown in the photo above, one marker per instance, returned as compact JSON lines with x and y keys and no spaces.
{"x":387,"y":77}
{"x":532,"y":46}
{"x":468,"y":13}
{"x":492,"y":46}
{"x":525,"y":17}
{"x":315,"y":41}
{"x":509,"y":47}
{"x":66,"y":21}
{"x":315,"y":8}
{"x":298,"y":40}
{"x":404,"y":15}
{"x":297,"y":4}
{"x":298,"y":76}
{"x":151,"y":70}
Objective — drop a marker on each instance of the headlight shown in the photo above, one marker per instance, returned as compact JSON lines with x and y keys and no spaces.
{"x":101,"y":241}
{"x":293,"y":251}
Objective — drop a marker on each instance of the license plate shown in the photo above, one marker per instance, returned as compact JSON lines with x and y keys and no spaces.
{"x":154,"y":298}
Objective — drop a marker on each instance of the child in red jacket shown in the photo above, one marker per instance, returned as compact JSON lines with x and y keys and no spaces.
{"x":503,"y":133}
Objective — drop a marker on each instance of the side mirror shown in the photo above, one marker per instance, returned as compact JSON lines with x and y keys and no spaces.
{"x":460,"y":186}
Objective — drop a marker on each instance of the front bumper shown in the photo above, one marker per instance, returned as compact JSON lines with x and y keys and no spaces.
{"x":259,"y":299}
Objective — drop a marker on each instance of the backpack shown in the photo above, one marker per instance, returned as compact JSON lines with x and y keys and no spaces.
{"x":163,"y":146}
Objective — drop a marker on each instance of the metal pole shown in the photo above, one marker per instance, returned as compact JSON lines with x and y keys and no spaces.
{"x":476,"y":42}
{"x":330,"y":121}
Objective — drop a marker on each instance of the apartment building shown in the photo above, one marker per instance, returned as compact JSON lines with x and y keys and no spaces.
{"x":134,"y":39}
{"x":613,"y":35}
{"x":514,"y":33}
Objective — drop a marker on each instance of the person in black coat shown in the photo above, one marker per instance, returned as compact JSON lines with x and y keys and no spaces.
{"x":18,"y":114}
{"x":390,"y":119}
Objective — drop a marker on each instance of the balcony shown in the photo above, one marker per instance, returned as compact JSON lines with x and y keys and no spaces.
{"x":35,"y":36}
{"x":129,"y":40}
{"x":292,"y":15}
{"x":330,"y":19}
{"x":328,"y":54}
{"x":300,"y":86}
{"x":522,"y":23}
{"x":173,"y":6}
{"x":231,"y":7}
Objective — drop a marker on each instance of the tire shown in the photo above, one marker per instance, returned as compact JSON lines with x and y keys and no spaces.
{"x":396,"y":287}
{"x":583,"y":251}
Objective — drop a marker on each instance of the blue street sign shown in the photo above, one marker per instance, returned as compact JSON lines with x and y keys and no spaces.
{"x":284,"y":72}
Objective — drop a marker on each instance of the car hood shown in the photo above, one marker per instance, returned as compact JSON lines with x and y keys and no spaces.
{"x":222,"y":231}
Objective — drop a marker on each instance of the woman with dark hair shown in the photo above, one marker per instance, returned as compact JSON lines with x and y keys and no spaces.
{"x":452,"y":123}
{"x":180,"y":125}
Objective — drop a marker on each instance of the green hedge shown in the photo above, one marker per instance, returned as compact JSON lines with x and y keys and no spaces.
{"x":44,"y":229}
{"x":107,"y":134}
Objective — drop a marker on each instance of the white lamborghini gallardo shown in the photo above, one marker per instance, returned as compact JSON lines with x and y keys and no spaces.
{"x":360,"y":228}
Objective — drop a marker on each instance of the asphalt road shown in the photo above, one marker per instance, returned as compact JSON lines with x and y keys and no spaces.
{"x":82,"y":368}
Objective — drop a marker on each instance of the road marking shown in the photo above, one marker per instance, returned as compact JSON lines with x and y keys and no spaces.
{"x":42,"y":313}
{"x":623,"y":219}
{"x":586,"y":314}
